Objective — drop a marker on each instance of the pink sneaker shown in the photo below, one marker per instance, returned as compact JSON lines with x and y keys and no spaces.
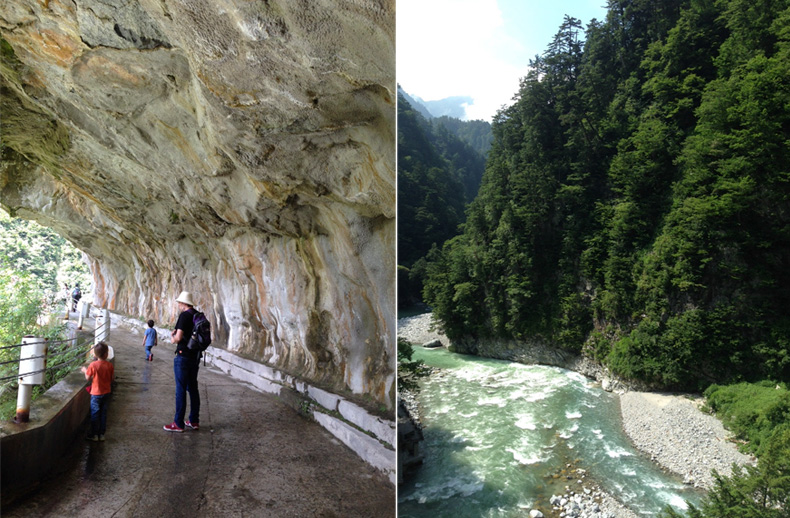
{"x":173,"y":427}
{"x":194,"y":426}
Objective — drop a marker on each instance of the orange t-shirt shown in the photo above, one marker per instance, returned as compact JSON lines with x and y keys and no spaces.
{"x":102,"y":372}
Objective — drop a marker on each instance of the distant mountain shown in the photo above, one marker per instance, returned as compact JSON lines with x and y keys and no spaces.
{"x":454,"y":106}
{"x":450,"y":106}
{"x":416,"y":103}
{"x":476,"y":133}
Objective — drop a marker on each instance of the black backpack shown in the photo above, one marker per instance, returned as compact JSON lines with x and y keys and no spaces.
{"x":201,"y":333}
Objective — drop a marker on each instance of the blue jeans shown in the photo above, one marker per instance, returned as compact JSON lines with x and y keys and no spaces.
{"x":99,"y":414}
{"x":186,"y":371}
{"x":148,"y":351}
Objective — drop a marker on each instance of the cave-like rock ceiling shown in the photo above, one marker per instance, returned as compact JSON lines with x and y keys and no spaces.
{"x":240,"y":150}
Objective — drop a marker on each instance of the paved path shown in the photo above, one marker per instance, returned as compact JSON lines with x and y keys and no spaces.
{"x":252,"y":457}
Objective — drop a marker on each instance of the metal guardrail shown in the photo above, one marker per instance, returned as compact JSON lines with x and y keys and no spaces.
{"x":31,"y":357}
{"x":75,"y":348}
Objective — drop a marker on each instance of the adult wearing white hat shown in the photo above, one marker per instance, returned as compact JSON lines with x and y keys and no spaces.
{"x":185,"y":368}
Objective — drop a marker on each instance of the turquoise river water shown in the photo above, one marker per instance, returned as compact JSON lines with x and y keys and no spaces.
{"x":498,"y":433}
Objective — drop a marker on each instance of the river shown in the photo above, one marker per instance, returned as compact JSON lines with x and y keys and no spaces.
{"x":500,"y":437}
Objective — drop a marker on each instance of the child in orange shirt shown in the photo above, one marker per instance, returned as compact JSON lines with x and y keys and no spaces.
{"x":102,"y":373}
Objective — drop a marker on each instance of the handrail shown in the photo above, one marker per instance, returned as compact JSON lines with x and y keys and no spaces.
{"x":52,"y":341}
{"x":52,"y":367}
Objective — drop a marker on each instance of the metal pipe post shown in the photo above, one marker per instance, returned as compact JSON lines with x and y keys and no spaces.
{"x":84,"y":309}
{"x":32,"y":364}
{"x":102,"y":333}
{"x":23,"y":397}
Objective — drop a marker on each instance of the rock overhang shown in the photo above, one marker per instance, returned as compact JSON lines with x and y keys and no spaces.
{"x":243,"y":151}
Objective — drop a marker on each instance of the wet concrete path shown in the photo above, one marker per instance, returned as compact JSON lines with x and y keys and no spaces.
{"x":252,"y":457}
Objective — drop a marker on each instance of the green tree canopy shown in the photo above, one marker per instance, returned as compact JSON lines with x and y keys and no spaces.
{"x":634,"y":205}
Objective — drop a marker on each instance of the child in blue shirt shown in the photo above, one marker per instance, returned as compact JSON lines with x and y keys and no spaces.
{"x":149,"y":341}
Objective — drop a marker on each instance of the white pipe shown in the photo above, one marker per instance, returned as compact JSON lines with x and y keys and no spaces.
{"x":23,"y":403}
{"x":84,"y":309}
{"x":102,"y":333}
{"x":32,"y":363}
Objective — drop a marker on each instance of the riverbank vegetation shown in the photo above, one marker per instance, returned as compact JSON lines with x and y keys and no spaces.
{"x":752,"y":411}
{"x":759,"y":415}
{"x":409,"y":371}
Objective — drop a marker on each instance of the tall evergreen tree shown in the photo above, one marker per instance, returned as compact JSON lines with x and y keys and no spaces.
{"x":437,"y":175}
{"x":635,"y":201}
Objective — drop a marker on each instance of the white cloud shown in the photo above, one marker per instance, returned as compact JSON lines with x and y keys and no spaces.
{"x":457,"y":47}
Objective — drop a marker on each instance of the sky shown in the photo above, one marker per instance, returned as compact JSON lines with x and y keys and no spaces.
{"x":477,"y":48}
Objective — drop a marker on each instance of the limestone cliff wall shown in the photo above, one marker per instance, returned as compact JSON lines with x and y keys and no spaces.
{"x":243,"y":151}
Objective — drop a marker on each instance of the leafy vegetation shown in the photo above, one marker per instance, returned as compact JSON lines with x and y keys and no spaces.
{"x":759,"y":413}
{"x":634,"y":206}
{"x":34,"y":262}
{"x":50,"y":261}
{"x":409,"y":371}
{"x":22,"y":313}
{"x":476,"y":133}
{"x":753,"y":411}
{"x":437,"y":175}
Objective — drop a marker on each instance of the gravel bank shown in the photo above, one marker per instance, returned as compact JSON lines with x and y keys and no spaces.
{"x":671,"y":429}
{"x":420,"y":329}
{"x":679,"y":436}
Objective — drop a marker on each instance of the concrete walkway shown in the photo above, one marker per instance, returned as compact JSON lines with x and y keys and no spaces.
{"x":253,"y":455}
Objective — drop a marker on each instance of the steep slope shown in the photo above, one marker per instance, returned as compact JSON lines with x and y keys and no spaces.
{"x":634,"y":207}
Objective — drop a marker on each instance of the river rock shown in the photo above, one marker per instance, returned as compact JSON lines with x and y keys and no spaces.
{"x":410,"y":443}
{"x":242,"y":151}
{"x":432,"y":344}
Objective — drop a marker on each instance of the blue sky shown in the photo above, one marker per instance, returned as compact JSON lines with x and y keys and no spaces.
{"x":477,"y":48}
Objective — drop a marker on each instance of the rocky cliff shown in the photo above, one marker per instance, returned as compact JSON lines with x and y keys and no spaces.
{"x":243,"y":151}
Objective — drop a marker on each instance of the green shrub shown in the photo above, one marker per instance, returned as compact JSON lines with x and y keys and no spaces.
{"x":761,"y":491}
{"x":753,"y":411}
{"x":409,"y":371}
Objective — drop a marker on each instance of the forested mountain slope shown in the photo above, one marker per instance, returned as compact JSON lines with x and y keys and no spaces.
{"x":635,"y":205}
{"x":415,"y":104}
{"x":438,"y":174}
{"x":476,"y":133}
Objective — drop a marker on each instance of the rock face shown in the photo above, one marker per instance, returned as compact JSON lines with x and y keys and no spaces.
{"x":243,"y":151}
{"x":410,"y":439}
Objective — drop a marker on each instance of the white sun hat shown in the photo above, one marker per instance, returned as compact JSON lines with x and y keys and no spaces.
{"x":186,"y":298}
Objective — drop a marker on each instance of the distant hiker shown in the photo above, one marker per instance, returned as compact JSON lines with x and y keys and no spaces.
{"x":64,"y":295}
{"x":150,"y":340}
{"x":76,"y":295}
{"x":102,"y":373}
{"x":185,"y":367}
